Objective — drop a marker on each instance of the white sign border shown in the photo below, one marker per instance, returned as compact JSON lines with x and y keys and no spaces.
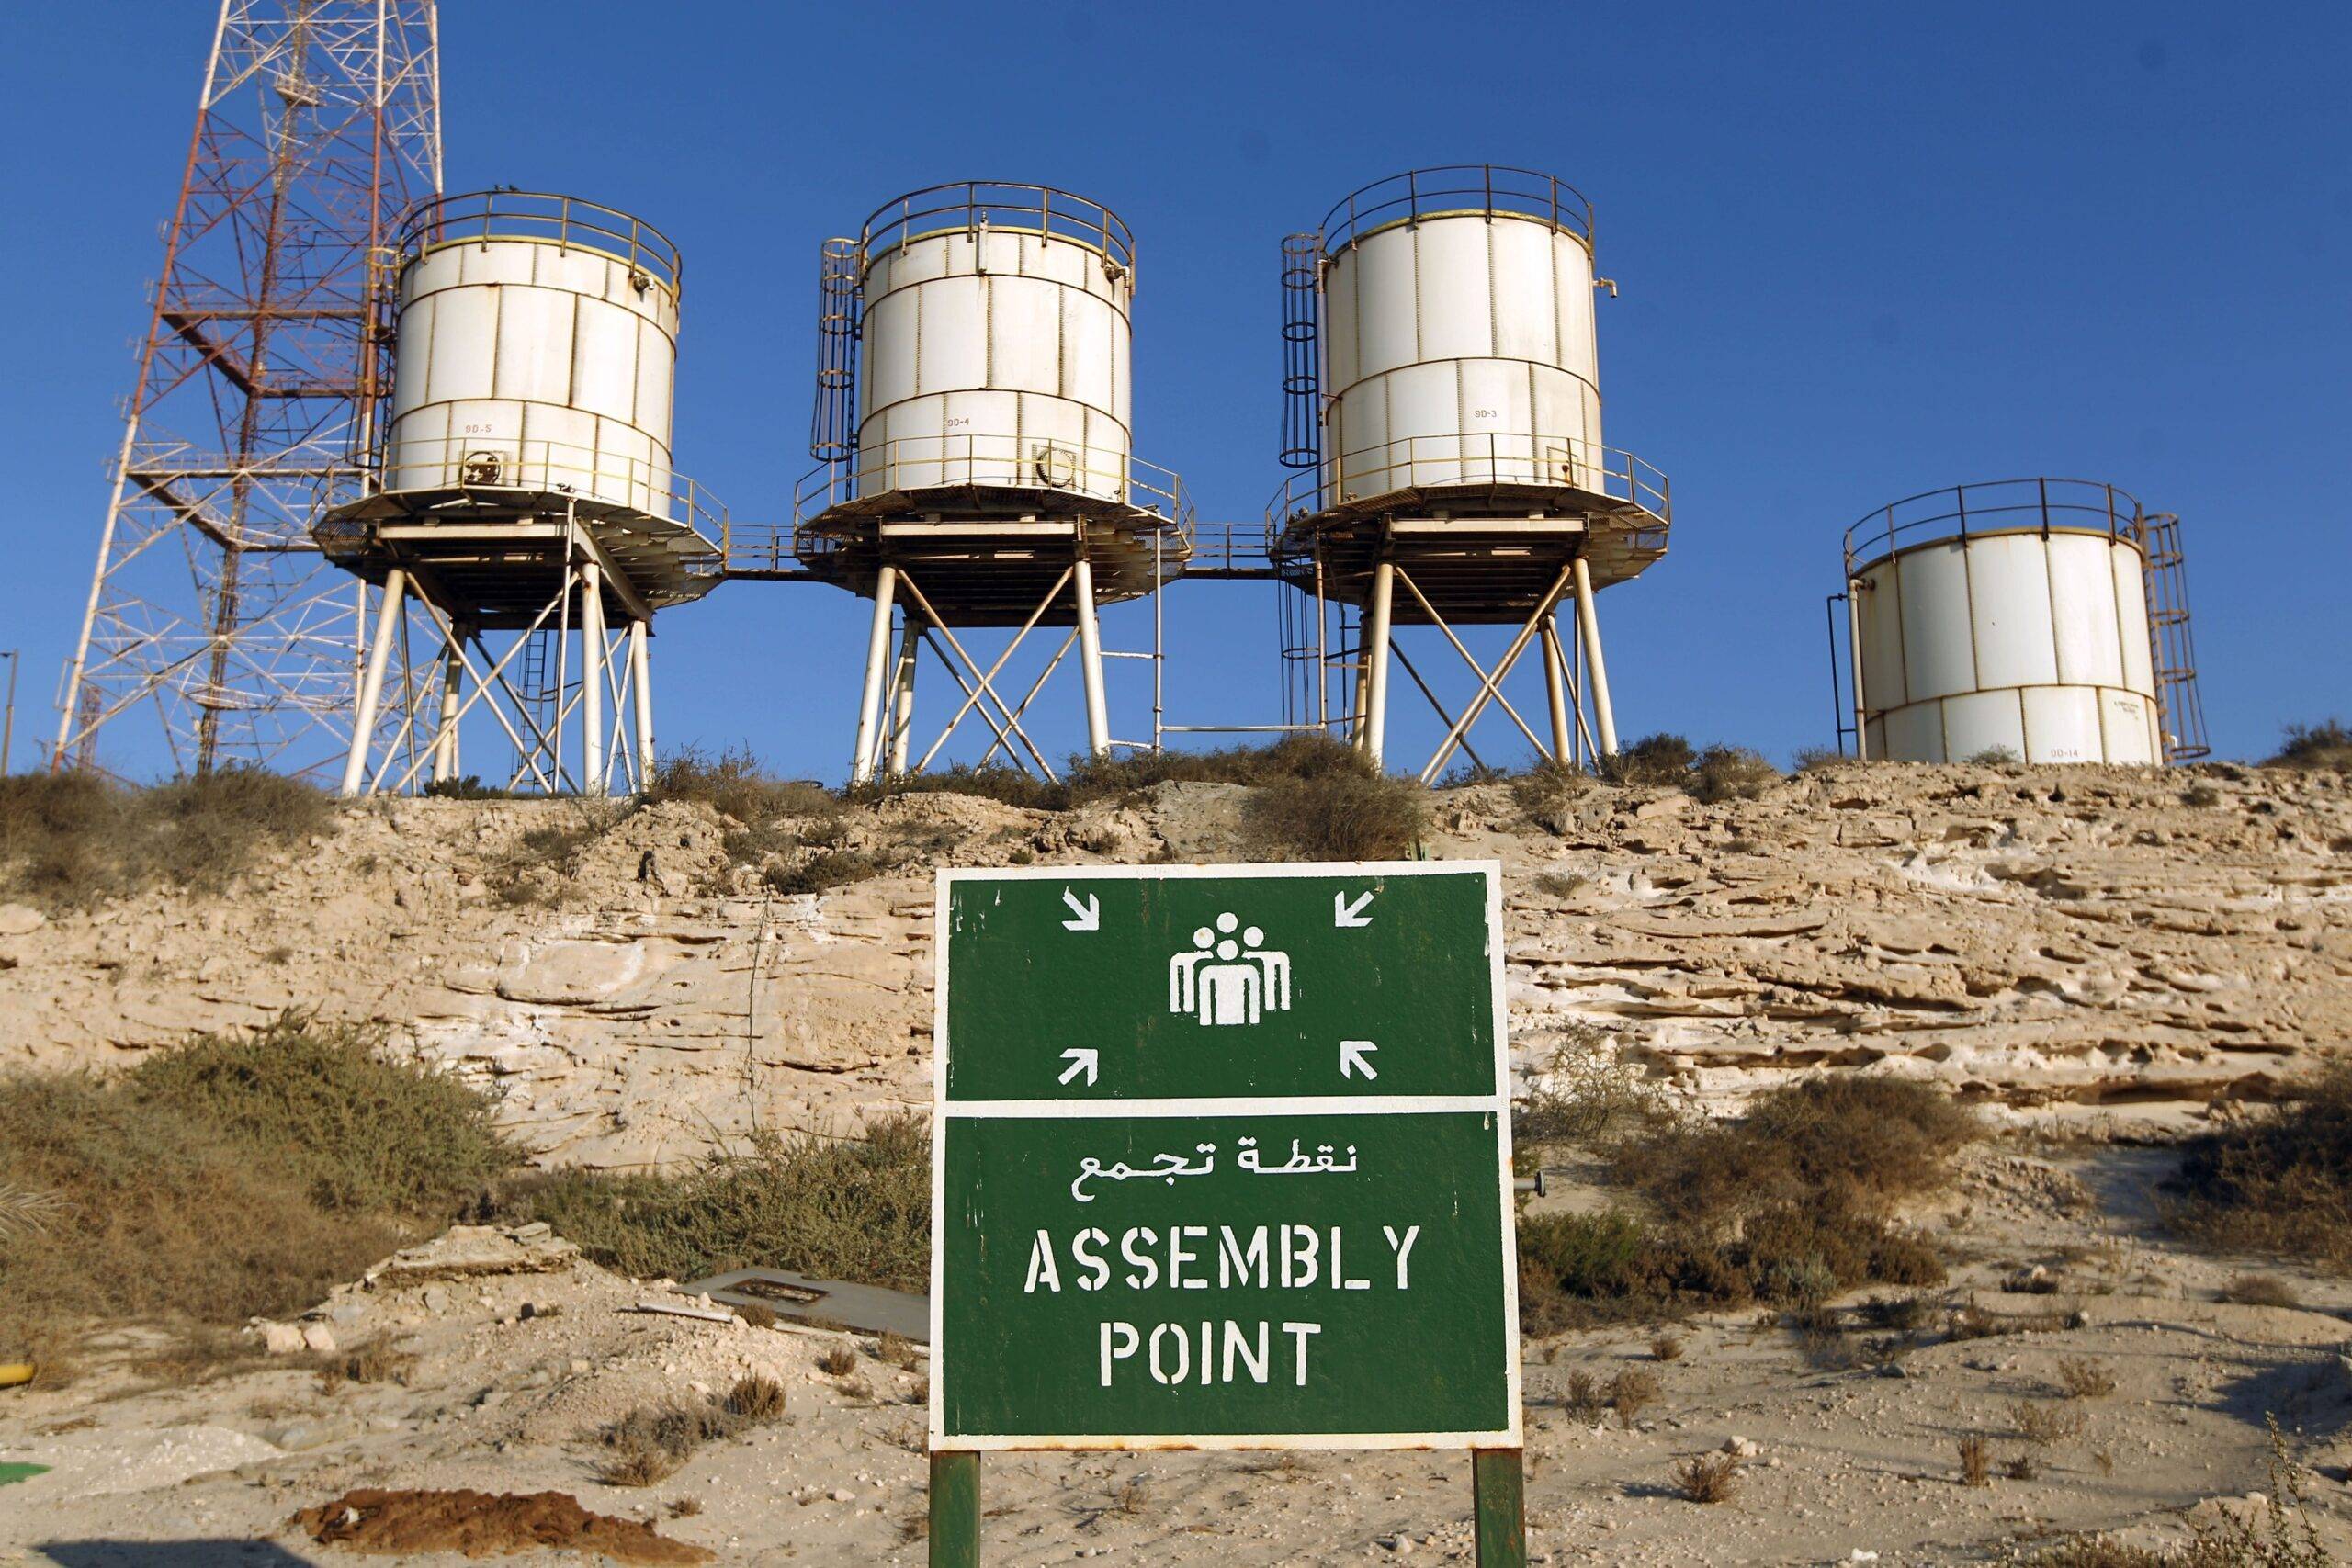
{"x":1510,"y":1436}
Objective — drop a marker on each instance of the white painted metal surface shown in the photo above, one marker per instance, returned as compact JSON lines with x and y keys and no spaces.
{"x":535,"y":356}
{"x":2031,"y":641}
{"x":995,"y":353}
{"x":1459,"y":349}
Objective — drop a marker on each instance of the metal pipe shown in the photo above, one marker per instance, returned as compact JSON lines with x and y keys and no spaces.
{"x":877,"y":654}
{"x":1090,"y":660}
{"x":640,"y":666}
{"x":1373,"y":654}
{"x":592,"y":680}
{"x":1604,"y":716}
{"x":1854,"y":665}
{"x":1555,"y":688}
{"x":902,"y":711}
{"x":371,"y":683}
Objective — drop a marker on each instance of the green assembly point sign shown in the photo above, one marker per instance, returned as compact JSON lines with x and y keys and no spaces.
{"x":1223,"y":1159}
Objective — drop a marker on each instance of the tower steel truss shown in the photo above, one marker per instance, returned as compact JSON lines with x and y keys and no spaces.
{"x":320,"y":121}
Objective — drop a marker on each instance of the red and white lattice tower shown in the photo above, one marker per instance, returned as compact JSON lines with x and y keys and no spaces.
{"x":212,"y":606}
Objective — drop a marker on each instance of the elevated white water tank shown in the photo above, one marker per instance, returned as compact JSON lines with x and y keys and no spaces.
{"x":2009,"y":618}
{"x":537,"y":350}
{"x":995,"y":343}
{"x":1458,"y":332}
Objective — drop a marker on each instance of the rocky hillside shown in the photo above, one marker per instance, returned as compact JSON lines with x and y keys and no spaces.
{"x":2064,"y":941}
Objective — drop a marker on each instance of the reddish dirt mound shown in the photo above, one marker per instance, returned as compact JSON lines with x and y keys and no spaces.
{"x":479,"y":1524}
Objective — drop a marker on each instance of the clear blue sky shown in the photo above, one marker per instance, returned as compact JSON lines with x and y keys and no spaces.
{"x":1865,"y":250}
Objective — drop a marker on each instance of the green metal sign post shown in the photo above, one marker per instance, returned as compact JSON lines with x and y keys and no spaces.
{"x":1222,"y":1159}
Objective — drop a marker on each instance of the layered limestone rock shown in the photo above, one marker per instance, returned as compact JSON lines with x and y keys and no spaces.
{"x":2139,"y":941}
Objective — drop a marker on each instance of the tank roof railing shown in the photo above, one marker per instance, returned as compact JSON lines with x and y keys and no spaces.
{"x":1474,"y":460}
{"x":544,"y":216}
{"x":1456,"y":187}
{"x":994,"y":462}
{"x":1993,"y":506}
{"x":975,"y":206}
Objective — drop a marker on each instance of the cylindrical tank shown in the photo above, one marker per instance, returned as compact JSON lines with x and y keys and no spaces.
{"x":537,"y":350}
{"x":2009,"y":618}
{"x":1458,"y":334}
{"x":995,"y":343}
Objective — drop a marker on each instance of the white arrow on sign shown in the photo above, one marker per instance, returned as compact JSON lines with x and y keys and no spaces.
{"x":1082,"y":1059}
{"x":1351,"y":1058}
{"x":1090,"y":914}
{"x":1344,"y":913}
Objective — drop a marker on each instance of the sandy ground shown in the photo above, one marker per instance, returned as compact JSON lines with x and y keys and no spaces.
{"x":1846,"y":1460}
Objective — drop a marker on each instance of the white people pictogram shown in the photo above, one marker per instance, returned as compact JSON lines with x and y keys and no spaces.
{"x":1226,"y":978}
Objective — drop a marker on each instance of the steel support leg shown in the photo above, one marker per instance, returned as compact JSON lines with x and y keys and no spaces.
{"x":371,"y":684}
{"x":444,"y":733}
{"x":1555,"y":688}
{"x":1854,"y":590}
{"x":641,"y":680}
{"x":902,"y":713}
{"x":1089,"y":662}
{"x":591,"y":679}
{"x":1374,"y":645}
{"x":877,"y":660}
{"x":1603,"y":717}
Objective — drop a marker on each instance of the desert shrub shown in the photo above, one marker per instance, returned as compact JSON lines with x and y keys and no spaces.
{"x":1660,"y":759}
{"x":1976,"y":1461}
{"x":1545,"y":792}
{"x":1300,"y":756}
{"x":1995,"y":757}
{"x":2084,"y":1378}
{"x":1730,"y":773}
{"x":471,"y":787}
{"x":649,"y":1444}
{"x":2281,"y":1181}
{"x":2043,"y":1424}
{"x":71,"y":840}
{"x":2260,"y":1289}
{"x":1707,"y":1478}
{"x":856,"y":1209}
{"x":1808,"y":759}
{"x":732,"y":784}
{"x":1342,"y":809}
{"x":1630,"y":1392}
{"x":1589,"y":1097}
{"x":321,"y":1105}
{"x":2327,"y":744}
{"x":1789,"y":1204}
{"x":828,"y":870}
{"x":1665,"y":1348}
{"x":532,"y":869}
{"x":838,"y":1362}
{"x":998,"y":781}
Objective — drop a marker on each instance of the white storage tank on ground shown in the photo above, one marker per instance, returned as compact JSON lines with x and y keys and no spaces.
{"x":2009,"y":617}
{"x":1458,"y":329}
{"x":537,"y":350}
{"x":995,"y":343}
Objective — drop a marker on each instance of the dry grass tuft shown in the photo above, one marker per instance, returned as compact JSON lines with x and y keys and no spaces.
{"x":2084,"y":1378}
{"x":733,"y":784}
{"x":640,"y":1464}
{"x":1976,"y":1461}
{"x":757,"y":1400}
{"x":2022,"y":1466}
{"x":1665,"y":1348}
{"x":1708,"y":1478}
{"x":1630,"y":1392}
{"x":2044,"y":1424}
{"x":2261,"y":1291}
{"x":838,"y":1362}
{"x":1583,"y":1397}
